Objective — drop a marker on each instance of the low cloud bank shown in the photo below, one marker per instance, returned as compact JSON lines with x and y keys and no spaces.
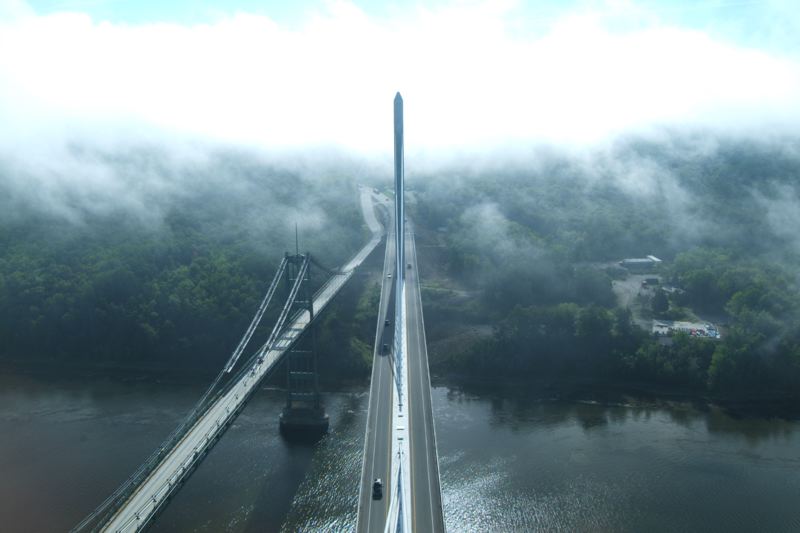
{"x":474,"y":75}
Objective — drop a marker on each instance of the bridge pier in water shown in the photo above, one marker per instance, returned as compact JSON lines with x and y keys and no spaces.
{"x":304,"y":415}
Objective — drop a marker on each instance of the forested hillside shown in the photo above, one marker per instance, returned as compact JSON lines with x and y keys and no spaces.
{"x":538,"y":239}
{"x":165,"y":262}
{"x":172,"y":269}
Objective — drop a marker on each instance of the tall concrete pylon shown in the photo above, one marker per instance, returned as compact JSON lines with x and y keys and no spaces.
{"x":400,"y":518}
{"x":399,"y":189}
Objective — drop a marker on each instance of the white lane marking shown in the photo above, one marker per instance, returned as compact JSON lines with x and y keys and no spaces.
{"x":382,"y":310}
{"x":420,"y":347}
{"x":426,"y":410}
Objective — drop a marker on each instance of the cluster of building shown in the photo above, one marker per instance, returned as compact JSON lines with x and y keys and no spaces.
{"x":641,"y":265}
{"x":647,"y":269}
{"x":694,"y":329}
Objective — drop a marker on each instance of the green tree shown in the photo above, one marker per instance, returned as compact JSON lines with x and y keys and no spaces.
{"x":660,"y":303}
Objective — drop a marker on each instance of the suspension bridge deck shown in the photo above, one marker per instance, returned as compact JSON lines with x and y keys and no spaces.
{"x":150,"y":495}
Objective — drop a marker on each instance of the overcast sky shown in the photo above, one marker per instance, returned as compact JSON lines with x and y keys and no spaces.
{"x":473,"y":74}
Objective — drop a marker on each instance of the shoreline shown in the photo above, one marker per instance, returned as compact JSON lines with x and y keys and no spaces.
{"x":778,"y":405}
{"x":153,"y":373}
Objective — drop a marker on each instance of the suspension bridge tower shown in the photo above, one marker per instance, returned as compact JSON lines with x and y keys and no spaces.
{"x":304,"y":415}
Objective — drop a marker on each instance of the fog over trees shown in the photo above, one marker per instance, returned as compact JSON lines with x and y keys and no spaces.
{"x":171,"y":272}
{"x":159,"y":259}
{"x":540,"y":244}
{"x":152,"y":173}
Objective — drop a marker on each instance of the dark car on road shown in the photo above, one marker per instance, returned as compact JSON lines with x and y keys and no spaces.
{"x":377,"y":489}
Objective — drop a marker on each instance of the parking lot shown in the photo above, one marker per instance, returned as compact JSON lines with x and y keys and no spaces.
{"x":632,"y":294}
{"x":667,"y":328}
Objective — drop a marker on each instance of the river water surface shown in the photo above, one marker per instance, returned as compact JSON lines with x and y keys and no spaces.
{"x":520,"y":463}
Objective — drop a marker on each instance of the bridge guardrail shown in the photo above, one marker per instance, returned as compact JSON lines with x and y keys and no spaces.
{"x":113,"y":503}
{"x":210,"y":437}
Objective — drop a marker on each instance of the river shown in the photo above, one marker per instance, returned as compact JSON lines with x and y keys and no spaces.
{"x":509,"y":462}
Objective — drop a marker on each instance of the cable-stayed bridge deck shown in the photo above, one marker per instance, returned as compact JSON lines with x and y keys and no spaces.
{"x":400,"y":445}
{"x":426,"y":512}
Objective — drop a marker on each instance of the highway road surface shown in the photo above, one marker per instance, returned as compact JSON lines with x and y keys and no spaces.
{"x":377,"y":442}
{"x":426,"y":512}
{"x":426,"y":494}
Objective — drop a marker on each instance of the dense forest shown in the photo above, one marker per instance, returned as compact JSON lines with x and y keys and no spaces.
{"x":164,"y":262}
{"x":538,"y":244}
{"x":168,"y":274}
